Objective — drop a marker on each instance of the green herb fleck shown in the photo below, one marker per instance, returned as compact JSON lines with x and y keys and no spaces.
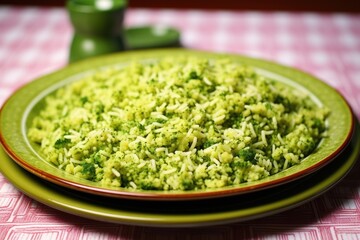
{"x":61,"y":143}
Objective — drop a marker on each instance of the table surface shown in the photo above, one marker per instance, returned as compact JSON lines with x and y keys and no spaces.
{"x":35,"y":41}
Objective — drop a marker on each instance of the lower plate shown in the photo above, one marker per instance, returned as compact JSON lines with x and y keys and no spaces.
{"x":188,"y":213}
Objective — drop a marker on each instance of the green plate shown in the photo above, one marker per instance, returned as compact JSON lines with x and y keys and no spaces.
{"x":183,"y":213}
{"x":141,"y":37}
{"x":19,"y":110}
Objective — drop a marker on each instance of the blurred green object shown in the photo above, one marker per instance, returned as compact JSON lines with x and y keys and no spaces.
{"x":98,"y":27}
{"x":141,"y":37}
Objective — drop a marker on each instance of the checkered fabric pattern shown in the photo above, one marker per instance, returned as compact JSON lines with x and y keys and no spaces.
{"x":35,"y":41}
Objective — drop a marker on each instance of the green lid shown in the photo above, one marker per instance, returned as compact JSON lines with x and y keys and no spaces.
{"x":97,"y":17}
{"x":141,"y":37}
{"x":90,"y":6}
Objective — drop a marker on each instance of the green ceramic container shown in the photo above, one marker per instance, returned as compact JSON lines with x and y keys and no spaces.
{"x":98,"y":27}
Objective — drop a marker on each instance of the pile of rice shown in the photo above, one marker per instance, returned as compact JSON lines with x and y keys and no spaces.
{"x":177,"y":124}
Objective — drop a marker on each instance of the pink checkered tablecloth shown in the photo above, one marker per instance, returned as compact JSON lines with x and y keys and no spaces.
{"x":34,"y":41}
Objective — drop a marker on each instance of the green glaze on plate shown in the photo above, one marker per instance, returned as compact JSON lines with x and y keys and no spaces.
{"x":184,"y":213}
{"x":19,"y":110}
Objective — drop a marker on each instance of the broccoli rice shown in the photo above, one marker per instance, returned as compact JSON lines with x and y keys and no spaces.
{"x":177,"y":124}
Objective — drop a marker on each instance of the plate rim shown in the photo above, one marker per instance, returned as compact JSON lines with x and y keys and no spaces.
{"x":78,"y":68}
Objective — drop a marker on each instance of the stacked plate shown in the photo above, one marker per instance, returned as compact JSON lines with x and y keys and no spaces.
{"x":21,"y":163}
